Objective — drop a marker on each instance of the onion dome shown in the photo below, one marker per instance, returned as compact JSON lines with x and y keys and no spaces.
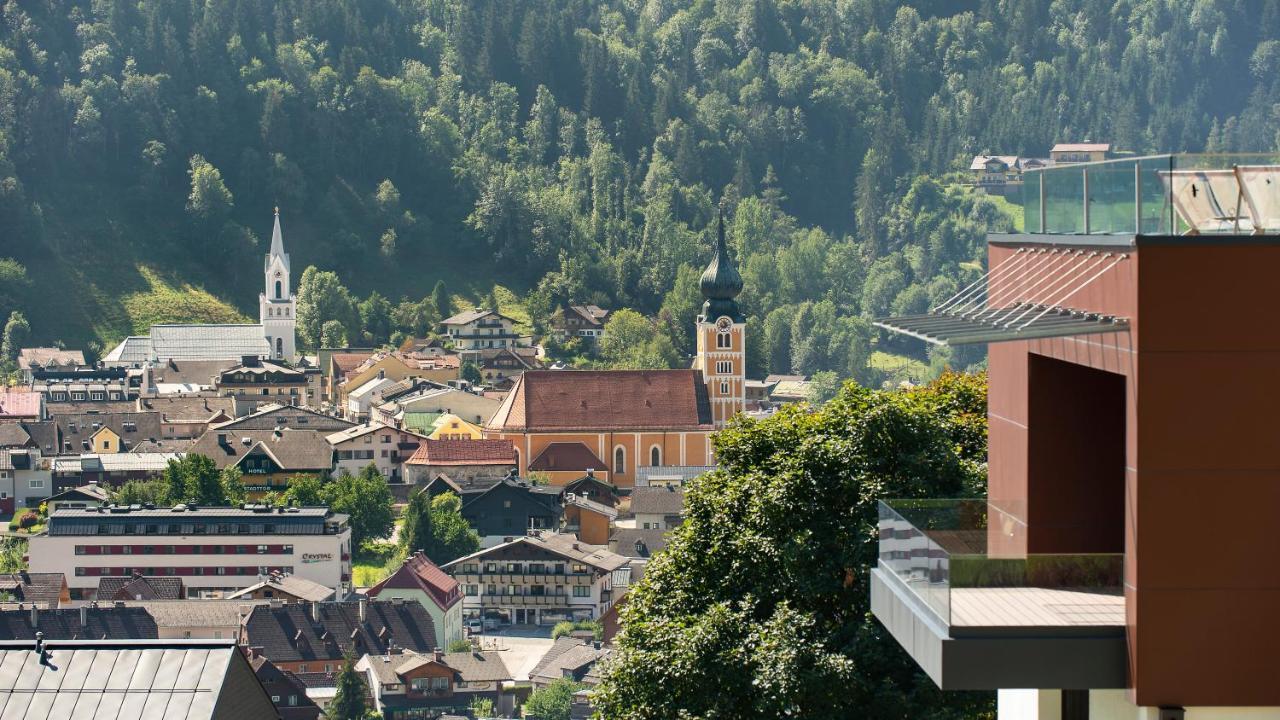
{"x":721,"y":282}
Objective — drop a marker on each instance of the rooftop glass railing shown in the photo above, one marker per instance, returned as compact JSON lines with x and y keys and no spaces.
{"x":1176,"y":194}
{"x":946,"y":553}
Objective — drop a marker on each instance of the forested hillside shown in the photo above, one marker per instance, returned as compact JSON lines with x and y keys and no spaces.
{"x":573,"y":149}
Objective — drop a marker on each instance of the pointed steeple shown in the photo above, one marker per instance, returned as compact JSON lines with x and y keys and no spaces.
{"x":277,"y":244}
{"x":721,"y":282}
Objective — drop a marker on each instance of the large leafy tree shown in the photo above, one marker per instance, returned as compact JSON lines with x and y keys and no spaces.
{"x":436,"y":527}
{"x":349,"y":702}
{"x":195,"y":478}
{"x":763,"y":593}
{"x":366,"y":499}
{"x":553,"y":701}
{"x":16,"y":334}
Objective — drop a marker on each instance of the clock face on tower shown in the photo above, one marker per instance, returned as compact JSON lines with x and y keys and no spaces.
{"x":278,"y":274}
{"x":724,"y":324}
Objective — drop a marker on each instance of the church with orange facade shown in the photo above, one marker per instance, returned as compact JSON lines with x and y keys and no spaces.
{"x":613,"y":422}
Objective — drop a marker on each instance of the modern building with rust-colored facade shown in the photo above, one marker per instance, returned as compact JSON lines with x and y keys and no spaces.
{"x":1119,"y":567}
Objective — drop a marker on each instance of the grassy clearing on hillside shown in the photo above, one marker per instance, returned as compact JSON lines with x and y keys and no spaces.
{"x":164,"y":302}
{"x":1010,"y":209}
{"x":899,"y":367}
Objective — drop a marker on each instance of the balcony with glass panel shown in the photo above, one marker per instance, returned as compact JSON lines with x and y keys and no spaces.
{"x":975,"y":613}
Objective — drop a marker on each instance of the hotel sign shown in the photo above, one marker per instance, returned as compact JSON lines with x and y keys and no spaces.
{"x":316,"y":557}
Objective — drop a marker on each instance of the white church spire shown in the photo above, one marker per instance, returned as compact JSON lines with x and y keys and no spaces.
{"x":278,"y":306}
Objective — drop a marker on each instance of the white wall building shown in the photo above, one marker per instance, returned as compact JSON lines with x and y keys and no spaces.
{"x":382,"y":445}
{"x":212,"y":549}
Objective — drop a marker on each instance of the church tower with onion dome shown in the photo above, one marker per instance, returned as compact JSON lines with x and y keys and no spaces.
{"x":721,"y":332}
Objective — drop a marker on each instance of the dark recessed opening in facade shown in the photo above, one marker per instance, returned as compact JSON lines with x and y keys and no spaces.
{"x":1076,"y":458}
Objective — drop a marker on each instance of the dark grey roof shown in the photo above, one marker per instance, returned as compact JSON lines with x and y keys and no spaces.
{"x":44,"y":589}
{"x":292,"y":633}
{"x":139,"y":587}
{"x":623,"y":541}
{"x":293,"y":449}
{"x":270,"y":418}
{"x":132,"y":427}
{"x":657,"y":501}
{"x":130,"y":679}
{"x":116,"y":623}
{"x":44,"y":434}
{"x":281,"y":684}
{"x":13,"y":435}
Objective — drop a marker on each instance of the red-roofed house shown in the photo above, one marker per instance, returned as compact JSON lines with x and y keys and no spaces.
{"x":460,"y":460}
{"x":21,"y":405}
{"x":419,"y":579}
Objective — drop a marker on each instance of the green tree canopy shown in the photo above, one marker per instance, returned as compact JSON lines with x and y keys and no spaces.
{"x":195,"y":478}
{"x":553,"y":701}
{"x":304,"y":490}
{"x":349,"y":701}
{"x":763,"y":593}
{"x":366,"y":499}
{"x":16,"y":334}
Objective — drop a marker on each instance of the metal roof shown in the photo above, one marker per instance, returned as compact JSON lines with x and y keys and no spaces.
{"x":1024,"y":297}
{"x":121,"y":679}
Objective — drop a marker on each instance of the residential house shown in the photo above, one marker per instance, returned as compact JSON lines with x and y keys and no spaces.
{"x":499,"y":368}
{"x":315,"y":637}
{"x":627,"y":418}
{"x":588,"y":519}
{"x":395,"y":366}
{"x":287,"y":692}
{"x":460,"y":460}
{"x":87,"y":621}
{"x":21,"y":405}
{"x":564,"y":462}
{"x":187,"y":418}
{"x":78,"y":677}
{"x":638,"y":543}
{"x":418,"y":579}
{"x":255,"y":380}
{"x":383,"y":446}
{"x":137,"y":586}
{"x":45,"y":590}
{"x":184,"y":378}
{"x":584,"y":321}
{"x":592,"y":487}
{"x":658,"y":508}
{"x":107,"y":432}
{"x":993,"y":173}
{"x":439,"y":399}
{"x":540,"y":580}
{"x":451,"y":427}
{"x":286,"y":587}
{"x":1064,"y":153}
{"x":25,"y":478}
{"x":568,"y":657}
{"x":42,"y":436}
{"x":267,"y":458}
{"x":112,"y":470}
{"x":335,"y":364}
{"x":276,"y":417}
{"x":196,"y":618}
{"x":434,"y":684}
{"x":78,"y":498}
{"x":46,"y":358}
{"x":512,"y":507}
{"x":480,"y":329}
{"x":85,"y":384}
{"x":361,"y":399}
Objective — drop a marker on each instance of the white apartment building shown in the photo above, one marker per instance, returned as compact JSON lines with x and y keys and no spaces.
{"x":214,"y":550}
{"x":384,"y":446}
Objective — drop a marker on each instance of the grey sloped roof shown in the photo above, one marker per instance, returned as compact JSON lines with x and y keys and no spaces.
{"x":657,"y":501}
{"x":207,"y":342}
{"x":130,"y":679}
{"x":133,"y":349}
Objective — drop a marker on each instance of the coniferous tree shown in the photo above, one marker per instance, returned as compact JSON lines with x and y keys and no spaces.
{"x":416,"y":530}
{"x":349,"y":702}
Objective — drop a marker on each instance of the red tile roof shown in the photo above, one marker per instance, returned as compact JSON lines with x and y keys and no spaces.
{"x":419,"y":573}
{"x":464,"y":452}
{"x":560,"y":400}
{"x":346,"y":362}
{"x":20,"y":404}
{"x":567,"y":456}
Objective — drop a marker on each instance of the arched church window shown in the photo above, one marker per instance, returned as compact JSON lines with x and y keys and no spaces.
{"x":279,"y":347}
{"x":655,"y":456}
{"x":279,"y":289}
{"x":619,"y":460}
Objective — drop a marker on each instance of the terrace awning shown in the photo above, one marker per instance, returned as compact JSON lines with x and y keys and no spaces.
{"x":1024,"y":297}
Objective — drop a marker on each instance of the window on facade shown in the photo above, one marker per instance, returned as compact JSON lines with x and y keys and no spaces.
{"x":724,"y":367}
{"x":655,"y":455}
{"x":581,"y":591}
{"x":37,"y":484}
{"x":724,"y":388}
{"x":723,"y":340}
{"x":619,"y":460}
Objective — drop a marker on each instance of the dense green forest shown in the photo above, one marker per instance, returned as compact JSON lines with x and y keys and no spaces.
{"x":572,"y":150}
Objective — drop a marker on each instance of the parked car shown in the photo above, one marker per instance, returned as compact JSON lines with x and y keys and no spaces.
{"x":475,"y":627}
{"x":490,"y":623}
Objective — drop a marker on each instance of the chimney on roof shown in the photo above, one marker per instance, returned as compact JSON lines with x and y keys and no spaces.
{"x":364,"y":609}
{"x":84,"y":616}
{"x":35,"y":616}
{"x":315,"y":612}
{"x":591,"y":472}
{"x":439,"y":655}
